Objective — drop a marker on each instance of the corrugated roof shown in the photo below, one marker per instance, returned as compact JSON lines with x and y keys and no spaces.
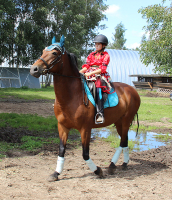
{"x":124,"y":63}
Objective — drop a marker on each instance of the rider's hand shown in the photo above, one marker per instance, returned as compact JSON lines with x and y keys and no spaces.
{"x":88,"y":74}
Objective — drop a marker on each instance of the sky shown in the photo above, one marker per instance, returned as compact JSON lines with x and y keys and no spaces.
{"x":126,"y":11}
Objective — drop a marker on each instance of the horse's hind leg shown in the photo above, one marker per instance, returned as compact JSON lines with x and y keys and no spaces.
{"x":63,"y":135}
{"x":123,"y":132}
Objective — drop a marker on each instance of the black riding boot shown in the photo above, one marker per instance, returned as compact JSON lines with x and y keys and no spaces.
{"x":99,"y":117}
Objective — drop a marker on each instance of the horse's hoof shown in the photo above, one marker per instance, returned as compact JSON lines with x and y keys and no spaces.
{"x":53,"y":177}
{"x":99,"y":172}
{"x":111,"y":168}
{"x":124,"y":166}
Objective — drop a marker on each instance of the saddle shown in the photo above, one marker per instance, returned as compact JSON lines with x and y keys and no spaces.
{"x":92,"y":87}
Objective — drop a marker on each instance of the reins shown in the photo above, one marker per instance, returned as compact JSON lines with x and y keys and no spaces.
{"x":57,"y":60}
{"x":83,"y":89}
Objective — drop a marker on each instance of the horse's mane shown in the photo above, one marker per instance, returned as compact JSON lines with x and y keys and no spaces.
{"x":73,"y":59}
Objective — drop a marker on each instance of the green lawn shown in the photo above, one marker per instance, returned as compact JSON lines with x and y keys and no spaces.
{"x":28,"y":94}
{"x":155,"y":109}
{"x":29,"y":122}
{"x":151,"y":110}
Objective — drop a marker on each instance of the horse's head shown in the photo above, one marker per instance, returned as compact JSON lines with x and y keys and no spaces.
{"x":52,"y":55}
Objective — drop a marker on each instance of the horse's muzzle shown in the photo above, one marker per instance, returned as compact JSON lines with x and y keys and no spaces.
{"x":36,"y":71}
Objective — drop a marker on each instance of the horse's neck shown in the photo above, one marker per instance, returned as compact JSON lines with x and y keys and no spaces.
{"x":66,"y":86}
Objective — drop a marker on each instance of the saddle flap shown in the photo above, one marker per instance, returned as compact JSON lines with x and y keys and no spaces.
{"x":92,"y":87}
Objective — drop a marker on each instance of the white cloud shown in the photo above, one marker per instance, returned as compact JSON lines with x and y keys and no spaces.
{"x":137,"y":33}
{"x":144,"y":33}
{"x":133,"y":46}
{"x":112,"y":9}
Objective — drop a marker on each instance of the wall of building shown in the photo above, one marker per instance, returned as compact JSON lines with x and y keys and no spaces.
{"x":17,"y":77}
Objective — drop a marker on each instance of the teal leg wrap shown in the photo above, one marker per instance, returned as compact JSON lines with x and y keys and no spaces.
{"x":126,"y":154}
{"x":116,"y":155}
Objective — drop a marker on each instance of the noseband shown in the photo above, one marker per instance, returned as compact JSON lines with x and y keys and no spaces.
{"x":53,"y":63}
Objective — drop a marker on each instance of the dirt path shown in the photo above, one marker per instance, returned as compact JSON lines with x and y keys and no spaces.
{"x":43,"y":108}
{"x":149,"y":174}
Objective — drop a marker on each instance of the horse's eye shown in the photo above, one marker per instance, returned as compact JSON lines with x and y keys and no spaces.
{"x":54,"y":53}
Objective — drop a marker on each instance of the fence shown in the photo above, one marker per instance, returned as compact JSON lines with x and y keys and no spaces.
{"x":165,"y":91}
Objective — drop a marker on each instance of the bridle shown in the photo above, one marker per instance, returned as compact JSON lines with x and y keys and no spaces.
{"x":57,"y":60}
{"x":52,"y":64}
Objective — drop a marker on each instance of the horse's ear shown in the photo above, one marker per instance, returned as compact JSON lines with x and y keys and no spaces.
{"x":54,"y":40}
{"x":62,"y":41}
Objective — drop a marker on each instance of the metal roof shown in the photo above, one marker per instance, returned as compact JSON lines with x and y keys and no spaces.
{"x":17,"y":77}
{"x":124,"y":63}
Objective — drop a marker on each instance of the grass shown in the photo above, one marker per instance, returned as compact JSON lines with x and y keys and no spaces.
{"x":28,"y":94}
{"x":28,"y":143}
{"x":30,"y":122}
{"x":143,"y":128}
{"x":151,"y":109}
{"x":155,"y":109}
{"x":143,"y":92}
{"x":5,"y":146}
{"x":115,"y":142}
{"x":32,"y":143}
{"x":43,"y":129}
{"x":44,"y":132}
{"x":164,"y":137}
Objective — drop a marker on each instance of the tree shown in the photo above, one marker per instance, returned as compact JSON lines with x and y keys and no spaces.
{"x":23,"y":24}
{"x":28,"y":27}
{"x":157,"y":49}
{"x":77,"y":21}
{"x":8,"y":14}
{"x":119,"y":39}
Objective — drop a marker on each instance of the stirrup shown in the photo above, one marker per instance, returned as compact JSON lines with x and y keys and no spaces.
{"x":100,"y":119}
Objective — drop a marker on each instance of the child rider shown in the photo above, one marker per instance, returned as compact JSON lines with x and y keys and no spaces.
{"x":96,"y":70}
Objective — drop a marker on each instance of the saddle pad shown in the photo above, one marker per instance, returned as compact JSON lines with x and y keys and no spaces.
{"x":111,"y":101}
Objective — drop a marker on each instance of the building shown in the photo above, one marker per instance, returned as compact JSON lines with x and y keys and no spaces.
{"x":17,"y":77}
{"x":124,"y":63}
{"x":125,"y":66}
{"x":153,"y":81}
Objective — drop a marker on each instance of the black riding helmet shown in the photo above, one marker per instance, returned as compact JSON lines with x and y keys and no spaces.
{"x":101,"y":39}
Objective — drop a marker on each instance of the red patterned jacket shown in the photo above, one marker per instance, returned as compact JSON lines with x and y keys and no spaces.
{"x":99,"y":59}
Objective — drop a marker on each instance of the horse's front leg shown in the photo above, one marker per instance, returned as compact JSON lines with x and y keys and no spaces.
{"x":63,"y":135}
{"x":85,"y":136}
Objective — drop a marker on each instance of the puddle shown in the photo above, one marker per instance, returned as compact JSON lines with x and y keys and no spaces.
{"x":145,"y":140}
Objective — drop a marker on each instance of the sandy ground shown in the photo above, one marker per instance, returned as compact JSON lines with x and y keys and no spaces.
{"x":149,"y":173}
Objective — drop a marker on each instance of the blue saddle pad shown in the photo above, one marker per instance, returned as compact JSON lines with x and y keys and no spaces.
{"x":111,"y":101}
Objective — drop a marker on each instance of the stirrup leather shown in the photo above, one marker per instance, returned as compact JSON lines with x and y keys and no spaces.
{"x":99,"y":115}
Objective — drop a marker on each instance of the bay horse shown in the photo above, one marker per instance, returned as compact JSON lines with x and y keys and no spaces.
{"x":71,"y":112}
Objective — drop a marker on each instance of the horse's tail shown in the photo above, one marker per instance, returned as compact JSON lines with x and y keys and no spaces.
{"x":137,"y":124}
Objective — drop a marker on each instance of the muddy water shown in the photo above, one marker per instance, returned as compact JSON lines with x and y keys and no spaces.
{"x":144,"y":140}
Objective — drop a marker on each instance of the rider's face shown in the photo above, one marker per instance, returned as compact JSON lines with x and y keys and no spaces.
{"x":99,"y":46}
